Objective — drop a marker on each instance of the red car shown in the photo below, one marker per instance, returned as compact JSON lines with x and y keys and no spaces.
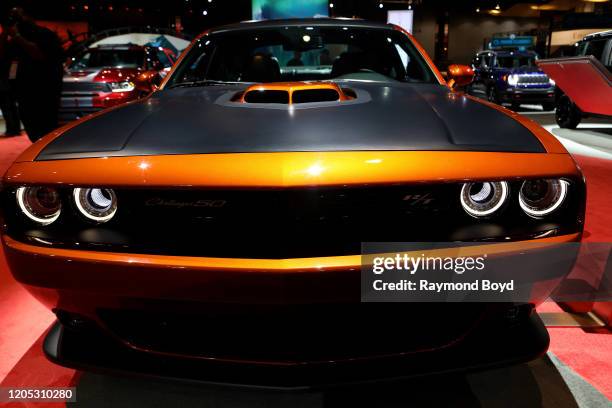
{"x":110,"y":75}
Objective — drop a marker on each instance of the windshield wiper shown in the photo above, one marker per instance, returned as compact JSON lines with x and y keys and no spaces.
{"x":205,"y":82}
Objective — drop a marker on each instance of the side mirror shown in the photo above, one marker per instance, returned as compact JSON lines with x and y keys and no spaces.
{"x":156,"y":81}
{"x":149,"y":81}
{"x":460,"y":75}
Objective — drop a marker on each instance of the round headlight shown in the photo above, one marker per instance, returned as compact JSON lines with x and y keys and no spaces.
{"x":96,"y":204}
{"x":483,"y":199}
{"x":539,"y":198}
{"x":40,"y":204}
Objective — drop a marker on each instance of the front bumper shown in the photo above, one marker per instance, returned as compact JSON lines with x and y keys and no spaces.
{"x":497,"y":343}
{"x":75,"y":106}
{"x":528,"y":95}
{"x":280,"y":323}
{"x":54,"y":272}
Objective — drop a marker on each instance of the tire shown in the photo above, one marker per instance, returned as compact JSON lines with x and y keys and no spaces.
{"x":567,"y":114}
{"x":492,"y":95}
{"x":549,"y":106}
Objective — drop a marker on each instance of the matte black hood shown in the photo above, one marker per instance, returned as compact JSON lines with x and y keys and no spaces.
{"x":388,"y":117}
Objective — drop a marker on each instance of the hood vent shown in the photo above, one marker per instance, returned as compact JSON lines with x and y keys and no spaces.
{"x":266,"y":96}
{"x":294,"y":93}
{"x":315,"y":95}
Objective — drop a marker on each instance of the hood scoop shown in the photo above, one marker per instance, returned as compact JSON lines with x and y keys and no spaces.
{"x":294,"y":93}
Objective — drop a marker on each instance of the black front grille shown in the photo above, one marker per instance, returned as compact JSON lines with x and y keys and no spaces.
{"x":287,"y":223}
{"x":256,"y":223}
{"x":533,"y":79}
{"x":282,"y":224}
{"x":84,"y":87}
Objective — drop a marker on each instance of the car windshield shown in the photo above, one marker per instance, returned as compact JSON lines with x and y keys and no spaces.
{"x":516,"y":61}
{"x":292,"y":53}
{"x":104,"y":58}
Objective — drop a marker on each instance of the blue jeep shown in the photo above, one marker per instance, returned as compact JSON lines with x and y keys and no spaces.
{"x":511,"y":77}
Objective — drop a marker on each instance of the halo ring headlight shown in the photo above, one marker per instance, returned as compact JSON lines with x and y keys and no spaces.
{"x":96,"y":204}
{"x":40,"y":204}
{"x":539,"y":198}
{"x":483,"y":199}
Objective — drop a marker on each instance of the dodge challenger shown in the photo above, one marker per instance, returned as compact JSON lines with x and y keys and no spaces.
{"x":213,"y":230}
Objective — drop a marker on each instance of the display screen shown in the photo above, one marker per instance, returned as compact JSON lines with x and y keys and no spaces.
{"x":402,"y":18}
{"x":277,"y":9}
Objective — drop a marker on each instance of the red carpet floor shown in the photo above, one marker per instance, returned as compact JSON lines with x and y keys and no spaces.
{"x":589,"y":353}
{"x":22,"y":319}
{"x":22,"y":362}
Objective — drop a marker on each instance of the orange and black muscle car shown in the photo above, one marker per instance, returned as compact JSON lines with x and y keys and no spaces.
{"x":213,"y":229}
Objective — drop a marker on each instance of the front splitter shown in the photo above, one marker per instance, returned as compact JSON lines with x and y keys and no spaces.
{"x":488,"y":346}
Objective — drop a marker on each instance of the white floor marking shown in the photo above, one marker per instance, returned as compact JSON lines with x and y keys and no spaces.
{"x":575,"y":147}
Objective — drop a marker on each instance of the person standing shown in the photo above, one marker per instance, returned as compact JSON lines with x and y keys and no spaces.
{"x":8,"y":104}
{"x":39,"y":57}
{"x":296,"y":61}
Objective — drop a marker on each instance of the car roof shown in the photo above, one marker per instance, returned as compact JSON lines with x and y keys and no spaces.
{"x":298,"y":22}
{"x":508,"y":52}
{"x":119,"y":47}
{"x":127,"y":47}
{"x":600,"y":34}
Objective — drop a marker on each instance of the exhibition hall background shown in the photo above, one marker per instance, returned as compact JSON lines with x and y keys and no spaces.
{"x":450,"y":31}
